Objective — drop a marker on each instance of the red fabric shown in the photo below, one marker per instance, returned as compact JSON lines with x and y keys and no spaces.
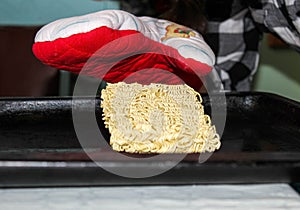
{"x":118,"y":55}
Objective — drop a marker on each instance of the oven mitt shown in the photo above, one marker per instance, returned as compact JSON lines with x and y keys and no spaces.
{"x":116,"y":46}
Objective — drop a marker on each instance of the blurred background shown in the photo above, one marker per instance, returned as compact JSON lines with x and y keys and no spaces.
{"x":22,"y":75}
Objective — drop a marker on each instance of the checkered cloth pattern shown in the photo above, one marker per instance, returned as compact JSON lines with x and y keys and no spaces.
{"x":235,"y":38}
{"x":235,"y":29}
{"x":281,"y":17}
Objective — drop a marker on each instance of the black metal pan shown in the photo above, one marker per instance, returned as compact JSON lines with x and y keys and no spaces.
{"x":39,"y":147}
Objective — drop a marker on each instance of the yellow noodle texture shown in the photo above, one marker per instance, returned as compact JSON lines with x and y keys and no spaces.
{"x":157,"y":118}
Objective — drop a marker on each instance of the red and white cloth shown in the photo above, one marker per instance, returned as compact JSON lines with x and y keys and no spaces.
{"x":115,"y":46}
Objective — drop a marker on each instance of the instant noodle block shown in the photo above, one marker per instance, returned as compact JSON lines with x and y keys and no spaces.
{"x":157,"y":118}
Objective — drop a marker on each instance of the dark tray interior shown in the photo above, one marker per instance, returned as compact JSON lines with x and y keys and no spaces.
{"x":260,"y":144}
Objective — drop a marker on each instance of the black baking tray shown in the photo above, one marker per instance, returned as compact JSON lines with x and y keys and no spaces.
{"x":39,"y":147}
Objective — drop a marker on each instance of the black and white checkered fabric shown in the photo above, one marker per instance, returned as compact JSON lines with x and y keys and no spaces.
{"x":281,"y":17}
{"x":235,"y":29}
{"x":235,"y":38}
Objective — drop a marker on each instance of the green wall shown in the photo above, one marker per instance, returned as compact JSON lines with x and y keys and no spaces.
{"x":40,"y":12}
{"x":279,"y":72}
